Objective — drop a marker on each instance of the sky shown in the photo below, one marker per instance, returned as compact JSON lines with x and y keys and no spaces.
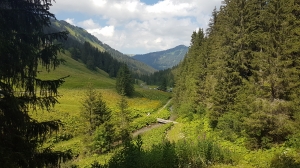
{"x":138,"y":26}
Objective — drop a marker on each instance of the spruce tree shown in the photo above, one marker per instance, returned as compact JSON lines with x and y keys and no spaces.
{"x":24,"y":46}
{"x":95,"y":109}
{"x":124,"y":81}
{"x":276,"y":74}
{"x":123,"y":120}
{"x":99,"y":117}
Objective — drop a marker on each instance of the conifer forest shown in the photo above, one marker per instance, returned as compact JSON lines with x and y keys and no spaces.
{"x":68,"y":100}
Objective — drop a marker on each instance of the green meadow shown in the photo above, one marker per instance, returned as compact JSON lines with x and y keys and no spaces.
{"x":144,"y":106}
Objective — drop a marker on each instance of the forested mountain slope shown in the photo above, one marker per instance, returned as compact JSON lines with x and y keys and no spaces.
{"x":163,"y":59}
{"x":243,"y":74}
{"x":80,"y":35}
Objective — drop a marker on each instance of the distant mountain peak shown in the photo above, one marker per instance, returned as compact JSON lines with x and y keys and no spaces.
{"x":163,"y":59}
{"x":81,"y":35}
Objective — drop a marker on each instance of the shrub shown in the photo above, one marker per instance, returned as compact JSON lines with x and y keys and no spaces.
{"x":284,"y":161}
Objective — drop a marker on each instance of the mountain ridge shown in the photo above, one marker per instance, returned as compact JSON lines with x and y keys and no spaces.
{"x":163,"y":59}
{"x":81,"y":35}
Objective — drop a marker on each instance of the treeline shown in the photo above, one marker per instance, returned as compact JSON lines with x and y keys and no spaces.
{"x":243,"y":73}
{"x":92,"y":57}
{"x":79,"y":35}
{"x":159,"y":78}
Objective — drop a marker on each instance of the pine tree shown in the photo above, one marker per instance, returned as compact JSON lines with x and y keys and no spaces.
{"x":245,"y":71}
{"x":276,"y":75}
{"x":99,"y":117}
{"x":24,"y":46}
{"x":124,"y":81}
{"x":231,"y":56}
{"x":94,"y":109}
{"x":124,"y":119}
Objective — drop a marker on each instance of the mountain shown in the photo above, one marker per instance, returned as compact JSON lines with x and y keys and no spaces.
{"x":163,"y":59}
{"x":81,"y":35}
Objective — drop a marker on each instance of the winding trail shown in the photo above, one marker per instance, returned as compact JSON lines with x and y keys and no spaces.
{"x":145,"y":129}
{"x":150,"y":127}
{"x":164,"y":106}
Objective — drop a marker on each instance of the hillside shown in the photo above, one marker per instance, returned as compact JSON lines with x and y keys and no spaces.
{"x":79,"y":75}
{"x":81,"y":35}
{"x":73,"y":135}
{"x":163,"y":59}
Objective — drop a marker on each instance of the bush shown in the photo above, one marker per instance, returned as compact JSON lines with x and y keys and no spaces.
{"x":202,"y":153}
{"x":142,"y":122}
{"x":284,"y":161}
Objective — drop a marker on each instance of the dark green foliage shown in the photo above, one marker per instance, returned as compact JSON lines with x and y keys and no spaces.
{"x":93,"y":58}
{"x":230,"y":125}
{"x":124,"y":119}
{"x":24,"y":46}
{"x":124,"y":81}
{"x":244,"y":73}
{"x":129,"y":156}
{"x":84,"y":51}
{"x":269,"y":123}
{"x":284,"y":161}
{"x":103,"y":137}
{"x":157,"y":78}
{"x":294,"y":141}
{"x":163,"y":85}
{"x":99,"y":117}
{"x":190,"y":76}
{"x":95,"y":109}
{"x":203,"y":153}
{"x":79,"y":36}
{"x":97,"y":165}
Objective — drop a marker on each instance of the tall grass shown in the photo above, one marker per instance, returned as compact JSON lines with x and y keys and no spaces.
{"x":68,"y":110}
{"x":182,"y":154}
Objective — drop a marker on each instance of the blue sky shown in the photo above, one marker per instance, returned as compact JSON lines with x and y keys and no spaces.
{"x":150,"y":2}
{"x":138,"y":26}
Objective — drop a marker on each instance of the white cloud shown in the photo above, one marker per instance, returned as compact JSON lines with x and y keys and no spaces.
{"x":132,"y":26}
{"x":158,"y":40}
{"x":88,"y":24}
{"x":71,"y":21}
{"x":169,"y":7}
{"x":100,"y":3}
{"x":105,"y":31}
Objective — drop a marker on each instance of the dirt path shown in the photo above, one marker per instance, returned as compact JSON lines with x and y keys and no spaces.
{"x":150,"y":127}
{"x":164,"y":106}
{"x":145,"y":129}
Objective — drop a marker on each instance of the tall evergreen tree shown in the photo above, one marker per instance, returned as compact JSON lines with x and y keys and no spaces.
{"x":24,"y":46}
{"x":99,"y":117}
{"x":124,"y":81}
{"x":124,"y":119}
{"x":245,"y":71}
{"x":191,"y":69}
{"x":276,"y":75}
{"x":95,"y":109}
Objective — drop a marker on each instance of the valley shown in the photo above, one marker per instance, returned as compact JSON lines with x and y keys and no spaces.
{"x":148,"y":105}
{"x":230,"y":99}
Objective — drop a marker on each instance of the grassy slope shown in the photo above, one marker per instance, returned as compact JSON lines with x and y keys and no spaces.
{"x":79,"y":75}
{"x":69,"y":108}
{"x":144,"y":101}
{"x":82,"y":35}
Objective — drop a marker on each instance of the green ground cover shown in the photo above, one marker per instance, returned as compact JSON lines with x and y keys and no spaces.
{"x":143,"y":107}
